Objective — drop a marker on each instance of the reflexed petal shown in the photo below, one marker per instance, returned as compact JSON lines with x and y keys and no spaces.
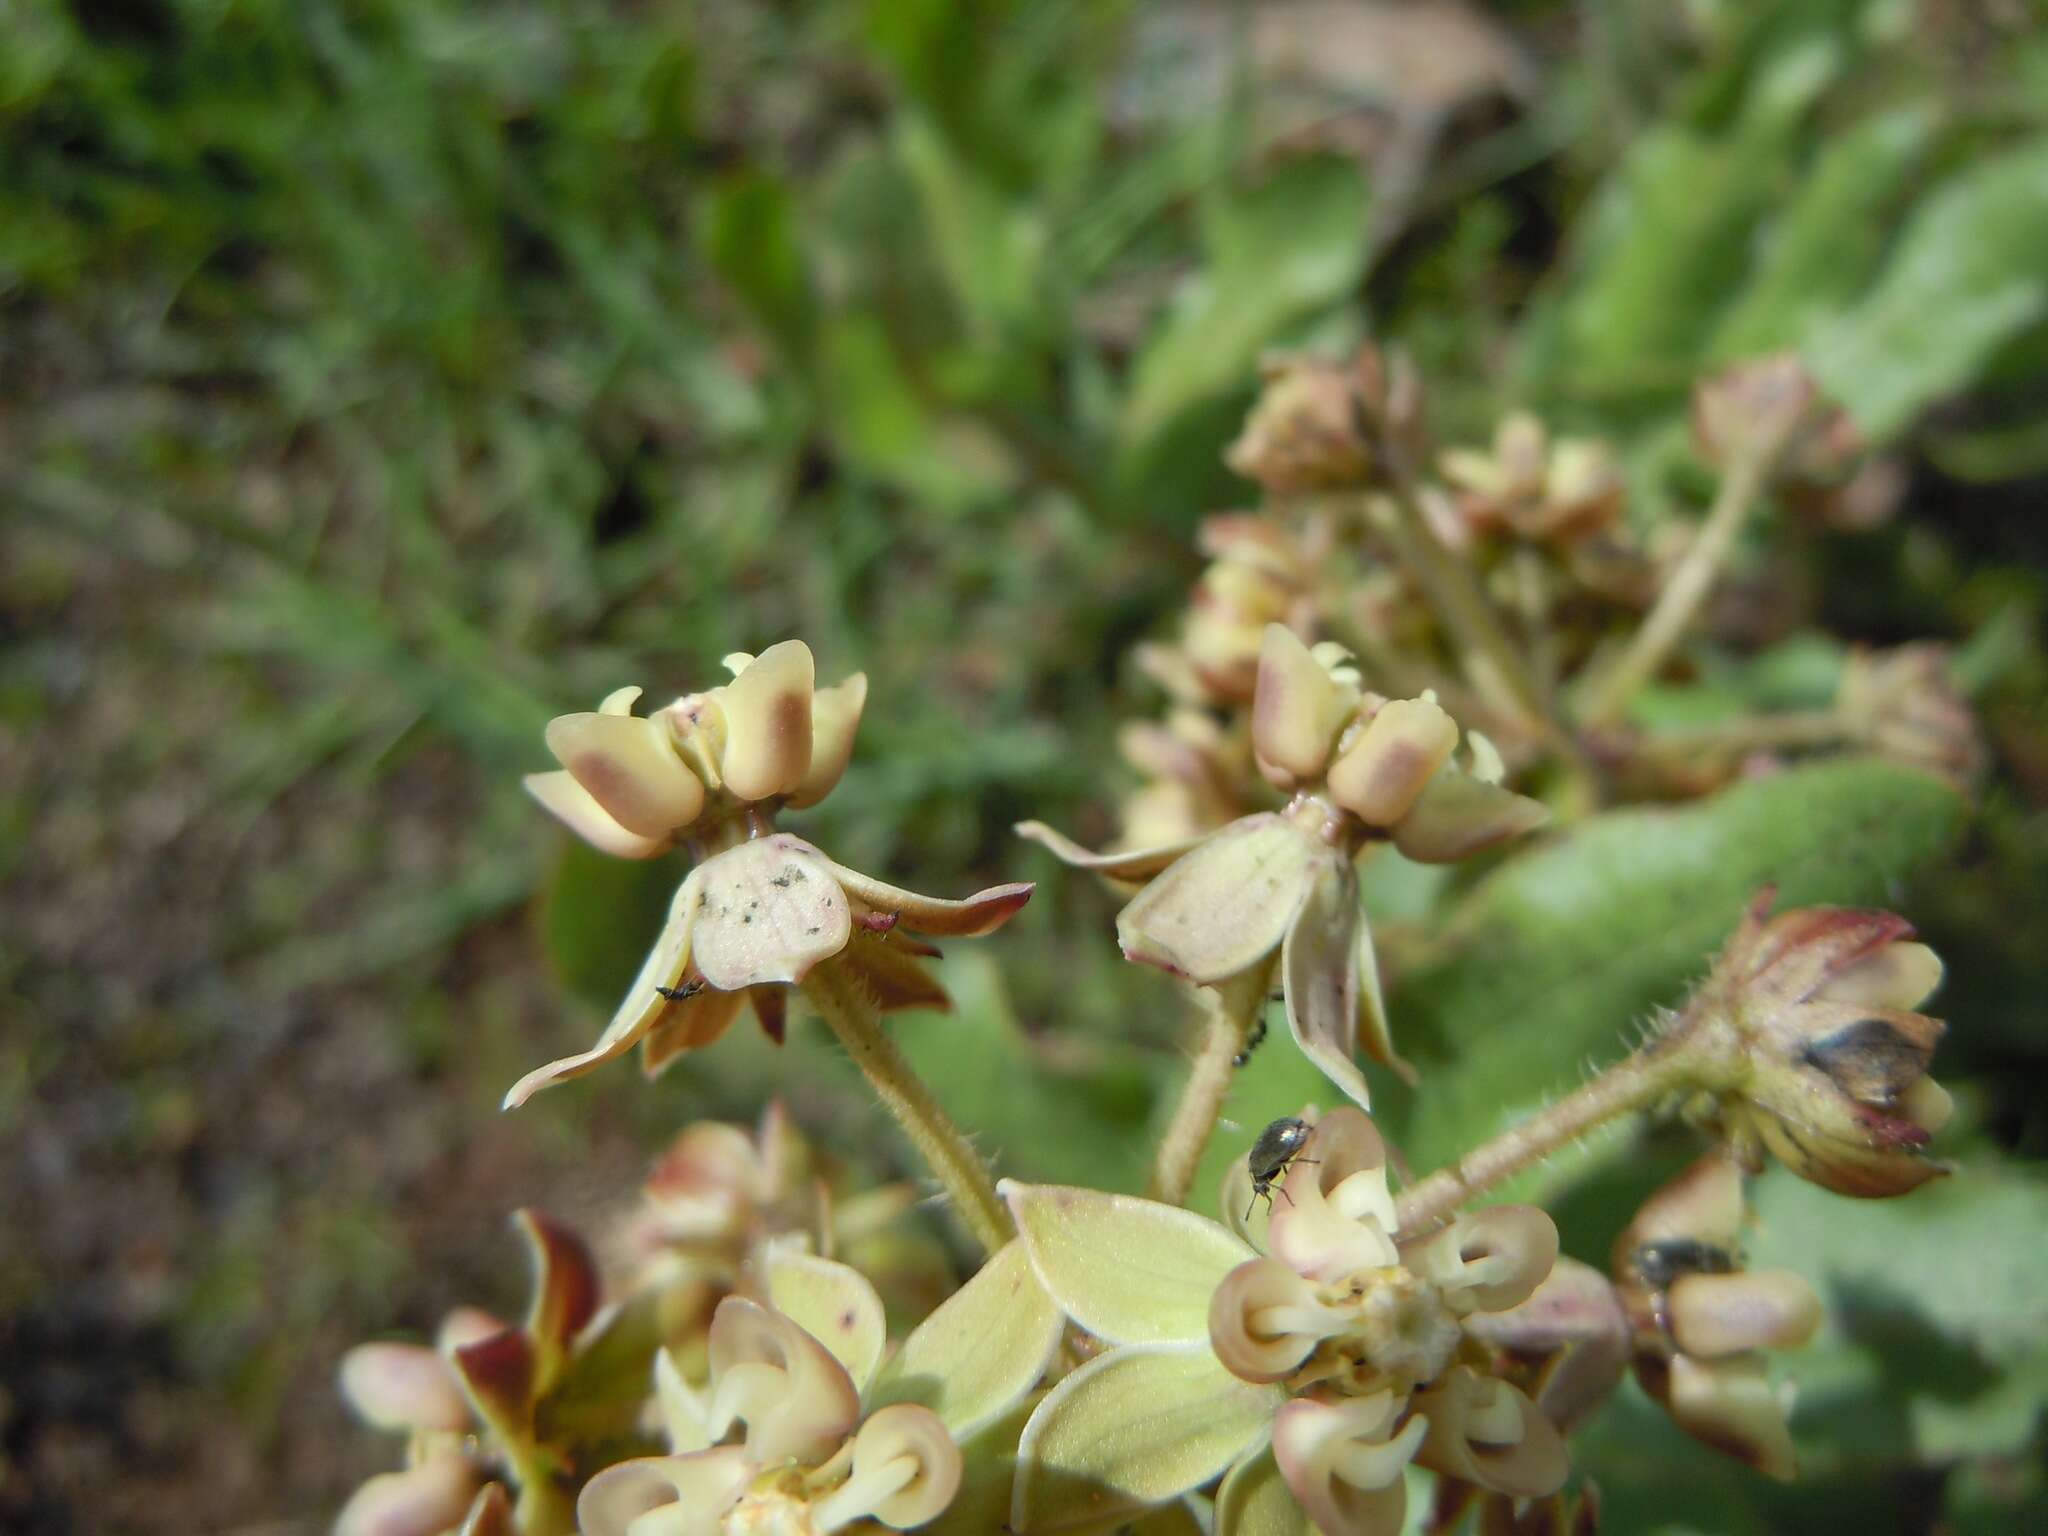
{"x":1131,"y":865}
{"x":1459,"y":815}
{"x":685,"y":1415}
{"x":630,"y":767}
{"x":771,"y":910}
{"x":835,"y":717}
{"x":425,"y":1500}
{"x":1265,"y":1320}
{"x":895,"y":976}
{"x":564,"y":1289}
{"x":665,"y":1495}
{"x":1256,"y":1501}
{"x":1731,"y":1405}
{"x":1344,"y":1463}
{"x":1130,"y":1429}
{"x":1485,"y":1431}
{"x":794,"y":1397}
{"x":981,"y":1350}
{"x":1715,"y":1315}
{"x":1319,"y":972}
{"x":402,"y":1386}
{"x":1375,"y":1034}
{"x":1297,"y":710}
{"x":1337,"y":1215}
{"x":689,"y":1024}
{"x":983,"y":912}
{"x":768,"y":722}
{"x":1497,"y":1256}
{"x":490,"y":1512}
{"x":498,"y":1373}
{"x":1397,"y":754}
{"x":644,"y":1002}
{"x":571,"y":804}
{"x":1228,"y":904}
{"x":834,"y":1304}
{"x":1127,"y":1270}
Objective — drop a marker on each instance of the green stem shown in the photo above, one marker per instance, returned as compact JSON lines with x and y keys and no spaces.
{"x":1679,"y":603}
{"x":851,"y":1014}
{"x":1651,"y":1074}
{"x":1232,"y":1008}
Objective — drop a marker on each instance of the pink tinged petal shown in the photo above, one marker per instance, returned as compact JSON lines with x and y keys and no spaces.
{"x":631,"y":768}
{"x":1337,"y":1215}
{"x":402,"y":1387}
{"x":1228,"y":904}
{"x":1265,"y":1320}
{"x":466,"y":1325}
{"x":1298,"y":709}
{"x":688,"y":1024}
{"x":983,"y":912}
{"x":665,"y":1495}
{"x":768,"y":722}
{"x":1400,"y":750}
{"x":835,"y":718}
{"x":644,"y":1004}
{"x":1484,"y":1431}
{"x":1459,"y":815}
{"x":1732,"y":1406}
{"x":1343,"y":1461}
{"x":1132,"y":865}
{"x":1319,"y":973}
{"x":1496,"y":1257}
{"x":1715,"y":1315}
{"x":499,"y":1374}
{"x":906,"y":1470}
{"x":571,"y":804}
{"x":771,"y":1011}
{"x":425,"y":1500}
{"x":771,"y":910}
{"x":1899,"y":976}
{"x":795,"y":1399}
{"x":894,"y":974}
{"x":564,"y":1290}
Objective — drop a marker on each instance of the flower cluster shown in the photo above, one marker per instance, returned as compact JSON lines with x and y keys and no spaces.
{"x":1345,"y":1351}
{"x":1275,"y":894}
{"x":761,"y":908}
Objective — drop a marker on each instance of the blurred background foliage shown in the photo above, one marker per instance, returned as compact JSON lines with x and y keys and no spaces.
{"x":380,"y":379}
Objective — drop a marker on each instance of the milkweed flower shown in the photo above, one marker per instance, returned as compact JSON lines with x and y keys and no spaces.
{"x":1304,"y":1356}
{"x":1533,"y":487}
{"x":1274,"y":895}
{"x":1702,"y":1323}
{"x":760,"y":908}
{"x":802,"y":1429}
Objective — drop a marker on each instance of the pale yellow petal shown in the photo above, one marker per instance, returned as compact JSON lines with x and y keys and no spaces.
{"x":571,"y":804}
{"x":768,"y":722}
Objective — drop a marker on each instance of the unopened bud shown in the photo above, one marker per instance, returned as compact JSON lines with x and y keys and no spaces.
{"x":1306,"y":433}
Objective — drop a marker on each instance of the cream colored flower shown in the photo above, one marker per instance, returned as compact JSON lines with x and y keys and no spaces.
{"x":1528,"y":485}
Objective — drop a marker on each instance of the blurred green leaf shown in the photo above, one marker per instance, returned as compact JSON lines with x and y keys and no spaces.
{"x":751,"y":233}
{"x":1966,"y":277}
{"x":1275,"y":252}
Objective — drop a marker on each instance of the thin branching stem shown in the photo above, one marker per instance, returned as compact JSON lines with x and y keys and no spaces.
{"x":851,"y":1014}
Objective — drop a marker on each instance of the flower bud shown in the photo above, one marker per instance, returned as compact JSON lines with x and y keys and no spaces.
{"x":1904,"y":704}
{"x":1713,"y":1315}
{"x":630,"y":767}
{"x":1834,"y":1061}
{"x":1307,"y":432}
{"x":1298,"y":710}
{"x":1528,"y":486}
{"x":768,"y":722}
{"x":1383,"y":773}
{"x":425,"y":1500}
{"x":1758,"y":410}
{"x":403,"y":1387}
{"x":1732,"y":1406}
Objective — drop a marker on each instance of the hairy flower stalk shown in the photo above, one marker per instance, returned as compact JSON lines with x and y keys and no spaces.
{"x":1233,"y":1011}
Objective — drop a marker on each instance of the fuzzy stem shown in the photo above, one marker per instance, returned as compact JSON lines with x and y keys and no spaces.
{"x":1679,"y":603}
{"x":1232,"y":1009}
{"x":846,"y":1008}
{"x":1638,"y":1082}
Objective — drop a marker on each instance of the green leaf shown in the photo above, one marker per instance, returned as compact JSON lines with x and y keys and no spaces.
{"x":1255,"y":1501}
{"x":1553,"y":959}
{"x":983,"y":1348}
{"x":600,"y":916}
{"x":1966,"y":277}
{"x":834,"y":1304}
{"x":1276,"y":251}
{"x":989,"y":247}
{"x":749,"y":228}
{"x":1127,"y":1270}
{"x":1130,"y":1429}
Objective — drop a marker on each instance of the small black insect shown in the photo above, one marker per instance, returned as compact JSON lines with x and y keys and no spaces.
{"x":1663,"y":1262}
{"x":1277,"y":1149}
{"x":685,"y":992}
{"x":1251,"y":1044}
